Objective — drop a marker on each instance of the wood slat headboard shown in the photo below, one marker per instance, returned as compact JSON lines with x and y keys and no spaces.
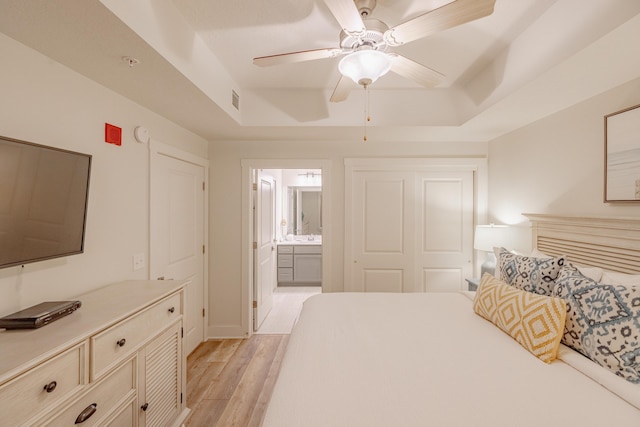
{"x":606,"y":242}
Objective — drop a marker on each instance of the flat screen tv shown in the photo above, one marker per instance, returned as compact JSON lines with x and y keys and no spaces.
{"x":43,"y":202}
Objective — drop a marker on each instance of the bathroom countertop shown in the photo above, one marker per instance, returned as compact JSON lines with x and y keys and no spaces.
{"x":300,"y":242}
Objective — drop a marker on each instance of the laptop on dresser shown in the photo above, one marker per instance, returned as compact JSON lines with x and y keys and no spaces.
{"x":39,"y":315}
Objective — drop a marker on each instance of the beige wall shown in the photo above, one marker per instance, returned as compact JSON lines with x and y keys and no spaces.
{"x":558,"y":161}
{"x":556,"y":165}
{"x":46,"y":103}
{"x":225,"y":264}
{"x":552,"y":166}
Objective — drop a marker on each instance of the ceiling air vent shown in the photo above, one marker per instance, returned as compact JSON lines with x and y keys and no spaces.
{"x":235,"y":99}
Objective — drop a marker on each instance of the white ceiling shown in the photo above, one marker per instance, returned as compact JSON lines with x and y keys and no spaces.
{"x":529,"y":59}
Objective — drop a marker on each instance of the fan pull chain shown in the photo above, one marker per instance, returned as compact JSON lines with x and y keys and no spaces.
{"x":367,"y":117}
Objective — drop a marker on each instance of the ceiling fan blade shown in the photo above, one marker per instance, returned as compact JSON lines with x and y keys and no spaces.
{"x":411,"y":70}
{"x":347,"y":15}
{"x":290,"y":58}
{"x":342,"y":90}
{"x":448,"y":16}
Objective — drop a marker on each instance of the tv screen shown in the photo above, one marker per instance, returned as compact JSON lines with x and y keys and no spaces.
{"x":43,"y":202}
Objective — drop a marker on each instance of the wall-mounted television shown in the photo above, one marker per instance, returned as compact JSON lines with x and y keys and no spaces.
{"x":43,"y":202}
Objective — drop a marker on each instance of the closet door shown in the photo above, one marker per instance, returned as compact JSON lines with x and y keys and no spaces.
{"x":444,"y":253}
{"x":382,"y":232}
{"x":408,"y":228}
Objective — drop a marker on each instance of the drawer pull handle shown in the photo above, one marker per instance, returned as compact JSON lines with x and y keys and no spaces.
{"x":50,"y":387}
{"x":121,"y":342}
{"x":86,"y":413}
{"x":172,"y":309}
{"x":144,"y":407}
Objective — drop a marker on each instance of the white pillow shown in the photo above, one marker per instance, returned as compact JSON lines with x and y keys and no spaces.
{"x":538,"y":254}
{"x":594,"y":273}
{"x":613,"y":278}
{"x":496,"y":252}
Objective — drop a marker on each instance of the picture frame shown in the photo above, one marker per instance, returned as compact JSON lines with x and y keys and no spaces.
{"x":622,"y":155}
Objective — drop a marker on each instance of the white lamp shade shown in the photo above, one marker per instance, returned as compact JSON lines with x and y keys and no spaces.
{"x":365,"y":66}
{"x":489,"y":236}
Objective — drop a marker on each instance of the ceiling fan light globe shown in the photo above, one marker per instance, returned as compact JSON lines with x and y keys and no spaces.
{"x":365,"y":66}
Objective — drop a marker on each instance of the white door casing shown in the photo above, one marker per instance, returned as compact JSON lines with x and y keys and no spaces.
{"x":245,"y":328}
{"x":265,"y":252}
{"x":409,"y":227}
{"x":177,"y":231}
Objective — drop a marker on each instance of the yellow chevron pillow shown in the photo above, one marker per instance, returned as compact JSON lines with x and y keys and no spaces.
{"x":536,"y":322}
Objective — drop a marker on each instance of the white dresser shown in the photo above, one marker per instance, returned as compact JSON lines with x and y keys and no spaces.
{"x":116,"y":361}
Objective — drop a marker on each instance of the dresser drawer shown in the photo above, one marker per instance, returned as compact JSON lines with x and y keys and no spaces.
{"x":308,"y":249}
{"x":124,"y":417}
{"x":122,"y":339}
{"x":27,"y":395}
{"x":285,"y":274}
{"x":104,"y":398}
{"x":285,"y":249}
{"x":285,"y":260}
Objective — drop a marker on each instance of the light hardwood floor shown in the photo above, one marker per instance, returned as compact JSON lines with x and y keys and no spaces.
{"x":229,"y":382}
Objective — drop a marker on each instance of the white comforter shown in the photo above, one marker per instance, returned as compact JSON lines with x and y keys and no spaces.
{"x":426,"y":360}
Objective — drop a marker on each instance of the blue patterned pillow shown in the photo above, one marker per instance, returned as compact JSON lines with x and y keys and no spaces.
{"x":603,"y":322}
{"x":530,"y":274}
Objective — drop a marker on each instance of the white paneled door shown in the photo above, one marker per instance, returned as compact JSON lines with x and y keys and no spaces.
{"x":408,"y":230}
{"x":382,"y":257}
{"x":177,"y":234}
{"x":444,"y":230}
{"x":265,"y":247}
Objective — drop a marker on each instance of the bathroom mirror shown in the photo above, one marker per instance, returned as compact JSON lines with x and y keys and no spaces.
{"x":305,"y":210}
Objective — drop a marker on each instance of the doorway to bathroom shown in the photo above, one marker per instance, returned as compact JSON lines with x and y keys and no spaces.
{"x":288,"y":230}
{"x":296,"y":218}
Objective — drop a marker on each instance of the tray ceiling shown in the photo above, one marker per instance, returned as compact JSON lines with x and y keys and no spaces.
{"x":529,"y":59}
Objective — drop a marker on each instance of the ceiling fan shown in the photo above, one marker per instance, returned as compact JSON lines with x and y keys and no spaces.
{"x":364,"y":41}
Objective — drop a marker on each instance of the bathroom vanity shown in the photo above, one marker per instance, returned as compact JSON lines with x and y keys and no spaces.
{"x":300,"y":263}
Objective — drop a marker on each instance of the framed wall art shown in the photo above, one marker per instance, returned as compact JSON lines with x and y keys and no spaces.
{"x":622,"y":155}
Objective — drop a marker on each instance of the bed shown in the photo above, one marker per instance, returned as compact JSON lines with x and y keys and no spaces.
{"x":367,"y":359}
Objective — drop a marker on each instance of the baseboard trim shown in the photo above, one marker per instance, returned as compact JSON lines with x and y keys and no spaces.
{"x":226,"y":332}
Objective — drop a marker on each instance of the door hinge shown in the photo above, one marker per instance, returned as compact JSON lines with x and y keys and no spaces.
{"x":255,"y":187}
{"x":203,"y":312}
{"x":203,"y":187}
{"x":180,"y":397}
{"x":203,"y":249}
{"x":255,"y":245}
{"x":181,"y":332}
{"x":255,"y":304}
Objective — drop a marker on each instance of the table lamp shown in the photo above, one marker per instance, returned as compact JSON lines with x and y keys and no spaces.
{"x":486,"y":238}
